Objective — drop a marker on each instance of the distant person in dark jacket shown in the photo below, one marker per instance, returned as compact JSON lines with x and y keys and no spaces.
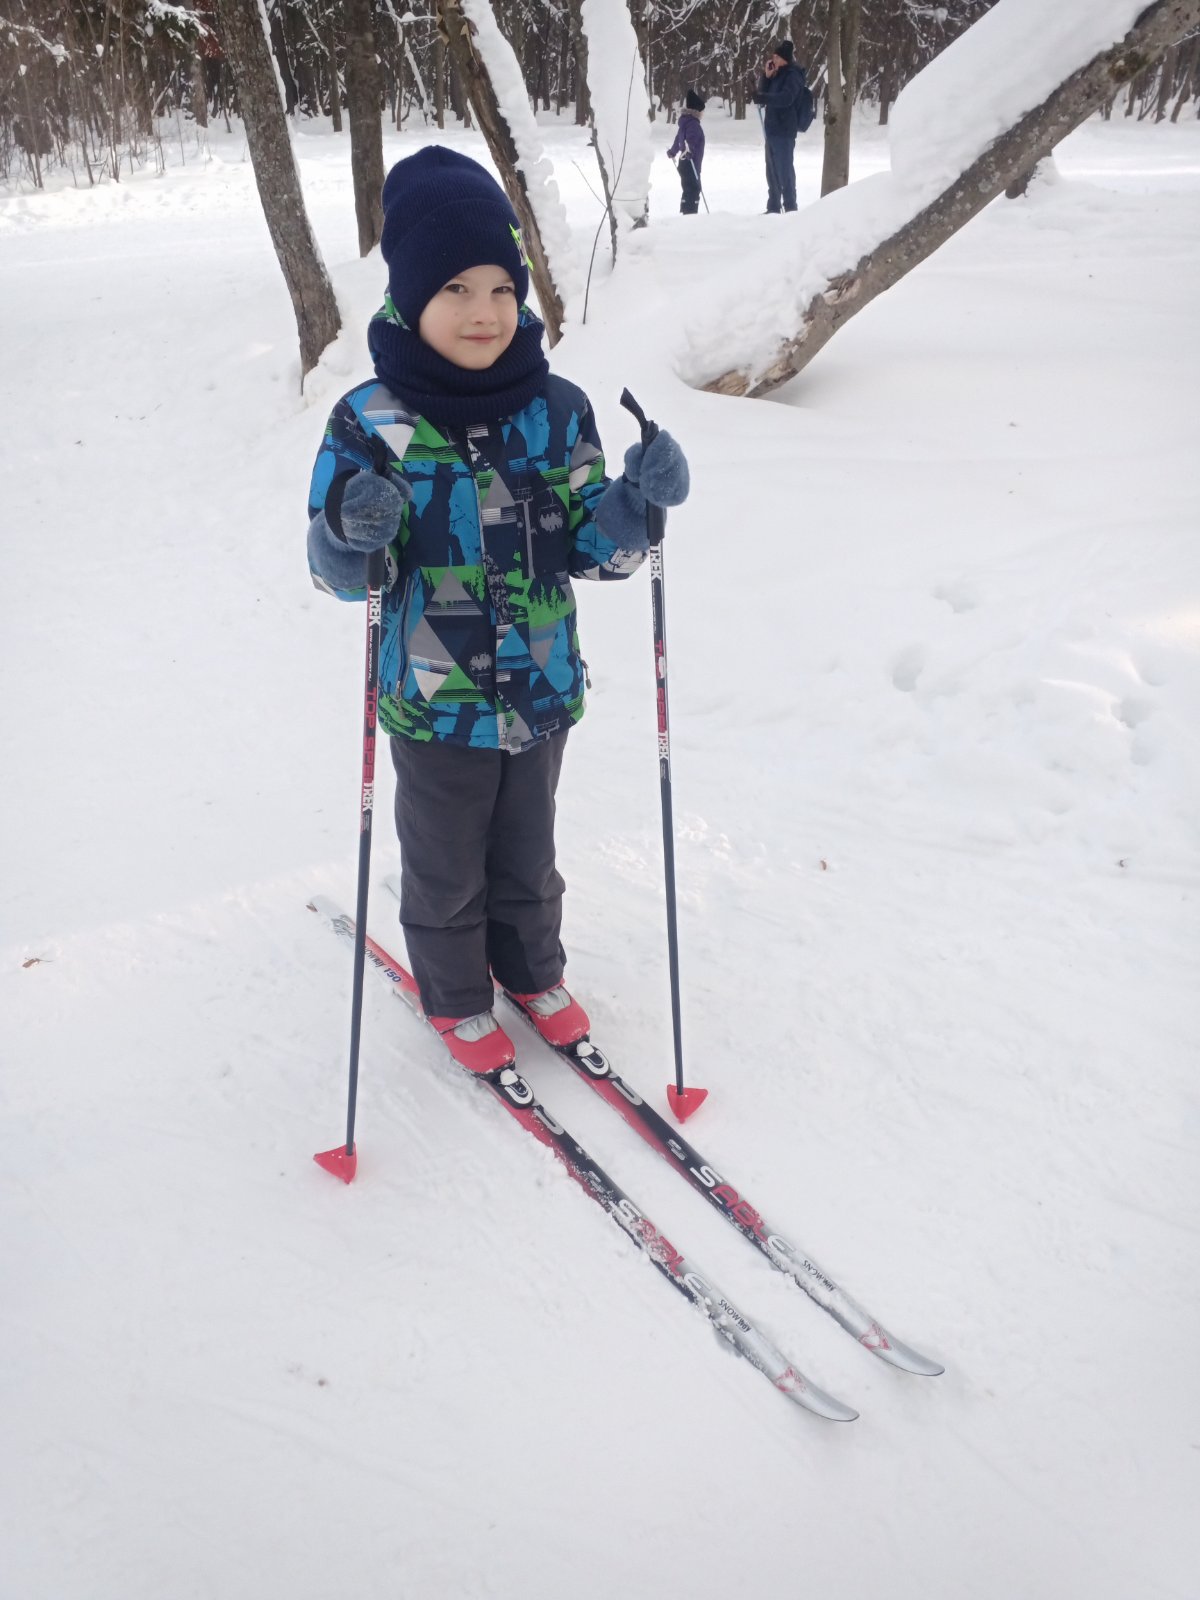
{"x":787,"y":110}
{"x":688,"y":151}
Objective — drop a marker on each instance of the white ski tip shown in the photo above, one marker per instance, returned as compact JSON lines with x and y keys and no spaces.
{"x":806,"y":1394}
{"x":897,"y":1354}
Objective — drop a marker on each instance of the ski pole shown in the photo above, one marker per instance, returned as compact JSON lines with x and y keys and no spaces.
{"x":342,"y":1160}
{"x":699,"y":185}
{"x":682,"y":1101}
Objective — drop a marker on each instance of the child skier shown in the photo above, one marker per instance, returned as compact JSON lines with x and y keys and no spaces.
{"x":687,"y":152}
{"x":482,"y":475}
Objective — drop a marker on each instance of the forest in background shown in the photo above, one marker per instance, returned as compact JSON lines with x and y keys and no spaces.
{"x":97,"y":88}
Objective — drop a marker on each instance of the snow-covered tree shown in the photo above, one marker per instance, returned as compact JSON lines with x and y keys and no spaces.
{"x":976,"y":119}
{"x":488,"y":68}
{"x":620,"y":106}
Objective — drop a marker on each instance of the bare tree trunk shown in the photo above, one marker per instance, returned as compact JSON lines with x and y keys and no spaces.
{"x":579,"y":48}
{"x":1161,"y":24}
{"x":249,"y":56}
{"x":400,"y":82}
{"x":34,"y":141}
{"x":544,"y":76}
{"x":458,"y":98}
{"x":844,"y":19}
{"x":199,"y":93}
{"x":500,"y":143}
{"x":310,"y":94}
{"x":1166,"y":80}
{"x":329,"y":37}
{"x":740,"y":70}
{"x":1189,"y":77}
{"x":291,"y":93}
{"x":363,"y":97}
{"x":564,"y":71}
{"x":887,"y":90}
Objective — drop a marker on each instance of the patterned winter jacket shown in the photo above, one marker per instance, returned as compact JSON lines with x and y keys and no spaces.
{"x":479,"y":639}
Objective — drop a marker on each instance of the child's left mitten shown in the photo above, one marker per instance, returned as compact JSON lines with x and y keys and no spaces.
{"x":659,"y":470}
{"x":657,"y":474}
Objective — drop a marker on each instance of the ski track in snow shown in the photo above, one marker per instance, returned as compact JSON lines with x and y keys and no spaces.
{"x":934,"y":622}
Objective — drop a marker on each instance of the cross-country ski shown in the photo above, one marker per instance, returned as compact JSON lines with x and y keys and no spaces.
{"x":517,"y":1098}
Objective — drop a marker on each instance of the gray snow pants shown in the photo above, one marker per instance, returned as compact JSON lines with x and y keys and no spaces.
{"x":479,"y":884}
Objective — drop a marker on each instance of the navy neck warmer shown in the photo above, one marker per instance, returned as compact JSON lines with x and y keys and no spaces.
{"x":446,"y":394}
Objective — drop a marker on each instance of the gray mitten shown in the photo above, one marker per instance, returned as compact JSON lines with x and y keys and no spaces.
{"x":657,"y":473}
{"x":659,"y":470}
{"x":363,"y":509}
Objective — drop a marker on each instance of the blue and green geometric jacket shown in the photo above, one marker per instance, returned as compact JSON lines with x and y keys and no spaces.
{"x":479,"y":642}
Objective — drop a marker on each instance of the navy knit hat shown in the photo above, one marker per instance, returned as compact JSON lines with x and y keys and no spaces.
{"x":781,"y":47}
{"x":443,"y":213}
{"x":694,"y":101}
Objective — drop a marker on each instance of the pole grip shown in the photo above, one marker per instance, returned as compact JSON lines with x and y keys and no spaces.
{"x":656,"y":517}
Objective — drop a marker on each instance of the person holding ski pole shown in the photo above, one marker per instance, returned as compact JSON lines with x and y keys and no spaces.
{"x":787,"y":109}
{"x":482,"y":476}
{"x":687,"y":151}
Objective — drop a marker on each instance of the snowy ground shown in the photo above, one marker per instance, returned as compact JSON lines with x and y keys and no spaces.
{"x":934,"y":617}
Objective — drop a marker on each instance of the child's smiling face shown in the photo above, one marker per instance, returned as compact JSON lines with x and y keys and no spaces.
{"x":472,"y":319}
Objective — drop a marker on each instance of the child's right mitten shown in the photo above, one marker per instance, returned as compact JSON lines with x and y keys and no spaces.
{"x":361,"y":513}
{"x":364,"y":509}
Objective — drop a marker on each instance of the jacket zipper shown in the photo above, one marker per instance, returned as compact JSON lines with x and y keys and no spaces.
{"x":501,"y":723}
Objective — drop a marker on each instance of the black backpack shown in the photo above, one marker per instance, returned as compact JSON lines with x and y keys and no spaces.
{"x":806,"y":109}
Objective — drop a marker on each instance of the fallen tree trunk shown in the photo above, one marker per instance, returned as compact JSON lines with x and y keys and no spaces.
{"x":1162,"y":24}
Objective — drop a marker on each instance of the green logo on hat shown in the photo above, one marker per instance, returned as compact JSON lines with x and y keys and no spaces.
{"x":390,"y":313}
{"x":520,"y":244}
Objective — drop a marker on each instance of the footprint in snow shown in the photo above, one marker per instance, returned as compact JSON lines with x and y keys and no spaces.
{"x":1150,"y":666}
{"x":1133,"y":712}
{"x":907,"y":668}
{"x":958,"y":596}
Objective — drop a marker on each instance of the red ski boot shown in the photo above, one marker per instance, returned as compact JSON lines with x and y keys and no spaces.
{"x":478,"y":1043}
{"x":557,"y":1017}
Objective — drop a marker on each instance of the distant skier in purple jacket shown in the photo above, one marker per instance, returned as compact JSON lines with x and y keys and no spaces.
{"x":688,"y":151}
